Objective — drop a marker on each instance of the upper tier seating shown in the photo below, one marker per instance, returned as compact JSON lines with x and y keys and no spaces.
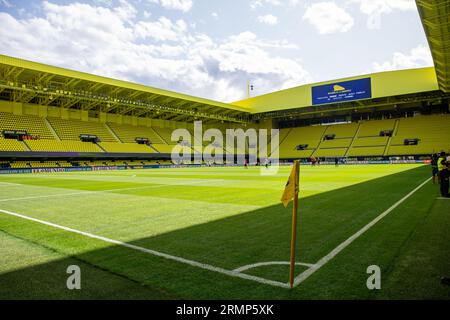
{"x":347,"y":130}
{"x":374,"y":127}
{"x":337,"y":147}
{"x":128,"y":133}
{"x":72,"y":129}
{"x":298,"y":136}
{"x":33,"y":125}
{"x":165,"y":134}
{"x":370,"y":141}
{"x":433,"y":132}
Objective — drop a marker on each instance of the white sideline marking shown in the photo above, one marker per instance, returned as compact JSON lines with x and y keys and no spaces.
{"x":271,"y":263}
{"x":442,"y":198}
{"x":193,"y":263}
{"x":95,"y":192}
{"x":304,"y":275}
{"x":7,"y":184}
{"x":237,"y":272}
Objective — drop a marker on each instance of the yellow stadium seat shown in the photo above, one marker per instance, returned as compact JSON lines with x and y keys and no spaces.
{"x":115,"y":147}
{"x":128,"y":133}
{"x":72,"y":129}
{"x":433,"y":132}
{"x":11,"y":145}
{"x":33,"y":125}
{"x":62,"y":146}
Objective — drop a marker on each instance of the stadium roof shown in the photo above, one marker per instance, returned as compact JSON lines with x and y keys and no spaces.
{"x":384,"y":84}
{"x":32,"y":82}
{"x":435,"y":15}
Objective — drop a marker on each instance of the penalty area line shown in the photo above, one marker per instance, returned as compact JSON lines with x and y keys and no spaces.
{"x":324,"y":260}
{"x":231,"y":273}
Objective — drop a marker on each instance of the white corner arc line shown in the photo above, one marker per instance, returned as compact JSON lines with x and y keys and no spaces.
{"x":193,"y":263}
{"x":271,"y":263}
{"x":324,"y":260}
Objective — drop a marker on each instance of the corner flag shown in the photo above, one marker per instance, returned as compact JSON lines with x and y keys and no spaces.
{"x":291,"y":193}
{"x":291,"y":186}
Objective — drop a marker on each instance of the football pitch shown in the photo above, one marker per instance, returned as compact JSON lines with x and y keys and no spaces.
{"x":222,"y":233}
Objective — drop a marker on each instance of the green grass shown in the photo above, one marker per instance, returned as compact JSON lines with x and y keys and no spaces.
{"x":228,"y":218}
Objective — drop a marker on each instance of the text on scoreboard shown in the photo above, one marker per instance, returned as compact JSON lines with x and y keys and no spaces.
{"x":342,"y":91}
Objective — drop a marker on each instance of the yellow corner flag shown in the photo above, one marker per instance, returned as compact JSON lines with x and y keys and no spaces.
{"x":291,"y":193}
{"x":291,"y":186}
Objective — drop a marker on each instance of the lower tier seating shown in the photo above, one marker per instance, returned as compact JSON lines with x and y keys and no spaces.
{"x":114,"y":147}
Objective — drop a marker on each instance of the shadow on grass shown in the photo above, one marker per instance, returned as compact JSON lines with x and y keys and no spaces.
{"x":261,"y":235}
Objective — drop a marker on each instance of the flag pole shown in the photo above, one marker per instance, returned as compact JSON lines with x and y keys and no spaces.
{"x":294,"y":224}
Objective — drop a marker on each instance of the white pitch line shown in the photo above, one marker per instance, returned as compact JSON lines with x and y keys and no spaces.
{"x":94,"y":192}
{"x":193,"y":263}
{"x":271,"y":263}
{"x":443,"y":198}
{"x":306,"y":274}
{"x":8,"y":184}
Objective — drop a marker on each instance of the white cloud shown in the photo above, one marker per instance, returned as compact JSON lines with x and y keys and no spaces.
{"x":163,"y":53}
{"x":147,"y":14}
{"x":254,"y":4}
{"x":161,"y":30}
{"x":182,"y":5}
{"x":328,"y":18}
{"x":215,"y":15}
{"x":374,"y":9}
{"x":268,"y":19}
{"x":416,"y":58}
{"x":294,"y":3}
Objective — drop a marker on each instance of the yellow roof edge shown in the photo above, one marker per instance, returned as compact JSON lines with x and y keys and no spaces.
{"x":255,"y":109}
{"x":41,"y":67}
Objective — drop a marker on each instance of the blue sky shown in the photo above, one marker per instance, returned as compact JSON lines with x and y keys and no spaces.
{"x":211,"y":48}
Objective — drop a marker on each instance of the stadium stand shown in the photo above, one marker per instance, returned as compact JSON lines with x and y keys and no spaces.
{"x":374,"y":127}
{"x":163,"y":148}
{"x":358,"y":139}
{"x":433,"y":133}
{"x":334,"y":152}
{"x":39,"y":164}
{"x":165,"y":134}
{"x":342,"y":131}
{"x":33,"y":125}
{"x":370,"y":141}
{"x":291,"y":138}
{"x":338,"y":146}
{"x":365,"y":151}
{"x":72,"y":129}
{"x":11,"y":145}
{"x":115,"y":147}
{"x":335,"y":143}
{"x":62,"y":146}
{"x":128,"y":133}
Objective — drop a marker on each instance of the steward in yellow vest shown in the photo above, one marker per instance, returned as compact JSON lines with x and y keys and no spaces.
{"x":444,"y":175}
